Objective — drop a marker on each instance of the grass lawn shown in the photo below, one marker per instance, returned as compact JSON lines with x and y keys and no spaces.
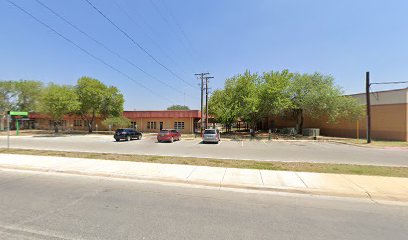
{"x":286,"y":166}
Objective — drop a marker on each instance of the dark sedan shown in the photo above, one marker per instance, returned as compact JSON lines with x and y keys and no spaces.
{"x":127,"y":134}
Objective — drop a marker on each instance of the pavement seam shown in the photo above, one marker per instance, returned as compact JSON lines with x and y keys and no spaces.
{"x":301,"y":179}
{"x":222,"y":180}
{"x":31,"y":232}
{"x":191,"y":173}
{"x":364,"y":190}
{"x":260,"y":174}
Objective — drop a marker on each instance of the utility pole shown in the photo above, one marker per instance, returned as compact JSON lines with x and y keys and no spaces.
{"x":8,"y":129}
{"x":201,"y":76}
{"x":206,"y":101}
{"x":368,"y":107}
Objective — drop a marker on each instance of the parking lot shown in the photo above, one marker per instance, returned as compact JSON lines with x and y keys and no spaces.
{"x":293,"y":151}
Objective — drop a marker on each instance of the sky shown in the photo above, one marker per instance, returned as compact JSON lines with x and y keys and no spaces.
{"x":171,"y":40}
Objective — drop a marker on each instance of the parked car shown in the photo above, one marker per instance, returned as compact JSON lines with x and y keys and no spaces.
{"x":127,"y":134}
{"x":211,"y":135}
{"x":168,"y":135}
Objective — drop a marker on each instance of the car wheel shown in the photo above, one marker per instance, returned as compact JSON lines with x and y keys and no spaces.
{"x":140,"y":137}
{"x":128,"y":138}
{"x":172,"y":139}
{"x":117,"y":140}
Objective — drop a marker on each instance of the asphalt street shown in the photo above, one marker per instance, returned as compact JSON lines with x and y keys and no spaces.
{"x":323,"y":152}
{"x":55,"y":206}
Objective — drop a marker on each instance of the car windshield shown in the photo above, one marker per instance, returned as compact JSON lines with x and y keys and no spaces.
{"x":209,"y":131}
{"x":120,"y":130}
{"x":164,"y":131}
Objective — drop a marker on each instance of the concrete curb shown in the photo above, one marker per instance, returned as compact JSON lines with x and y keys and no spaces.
{"x":379,"y":198}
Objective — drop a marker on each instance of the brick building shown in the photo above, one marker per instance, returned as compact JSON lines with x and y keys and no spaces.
{"x":186,"y":121}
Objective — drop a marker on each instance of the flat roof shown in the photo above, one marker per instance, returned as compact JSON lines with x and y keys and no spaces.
{"x":394,"y":96}
{"x":163,"y":114}
{"x":140,"y":114}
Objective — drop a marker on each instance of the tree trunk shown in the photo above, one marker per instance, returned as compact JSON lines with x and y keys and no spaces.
{"x":300,"y":119}
{"x":253,"y":127}
{"x":55,"y":127}
{"x":90,"y":123}
{"x":90,"y":126}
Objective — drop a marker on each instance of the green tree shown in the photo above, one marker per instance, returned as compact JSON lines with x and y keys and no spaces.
{"x":246,"y":90}
{"x":7,"y":95}
{"x":28,"y":95}
{"x":112,"y":103}
{"x":316,"y":95}
{"x":222,"y":106}
{"x":117,"y":122}
{"x":97,"y":99}
{"x":22,"y":95}
{"x":275,"y":91}
{"x":57,"y":101}
{"x":178,"y":107}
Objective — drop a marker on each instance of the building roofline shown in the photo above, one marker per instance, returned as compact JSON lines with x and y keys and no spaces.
{"x":392,"y":90}
{"x":161,"y":110}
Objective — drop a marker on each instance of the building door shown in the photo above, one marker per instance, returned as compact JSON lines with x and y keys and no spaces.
{"x":161,"y":126}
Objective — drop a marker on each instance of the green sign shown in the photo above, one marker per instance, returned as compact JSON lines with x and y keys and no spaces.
{"x":18,"y":113}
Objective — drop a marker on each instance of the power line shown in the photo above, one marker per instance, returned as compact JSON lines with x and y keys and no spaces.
{"x":136,"y":43}
{"x":148,"y":36}
{"x":389,"y":83}
{"x":155,"y":32}
{"x":104,"y":46}
{"x":182,"y":31}
{"x":156,"y":8}
{"x":84,"y":50}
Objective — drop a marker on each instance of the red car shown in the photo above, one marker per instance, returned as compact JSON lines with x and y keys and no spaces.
{"x":168,"y":135}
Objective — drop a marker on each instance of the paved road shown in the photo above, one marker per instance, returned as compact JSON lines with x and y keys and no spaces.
{"x":256,"y":150}
{"x":52,"y":206}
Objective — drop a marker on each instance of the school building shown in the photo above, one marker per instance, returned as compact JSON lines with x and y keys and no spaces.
{"x":186,"y":121}
{"x":389,"y":118}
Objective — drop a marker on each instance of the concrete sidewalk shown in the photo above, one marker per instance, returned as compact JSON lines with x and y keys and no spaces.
{"x":377,"y":189}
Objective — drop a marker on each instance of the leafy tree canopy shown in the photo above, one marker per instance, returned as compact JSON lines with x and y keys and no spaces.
{"x":97,"y":99}
{"x":22,"y":95}
{"x":252,"y":97}
{"x":223,"y":107}
{"x":116,"y":122}
{"x":57,"y":101}
{"x":178,"y":107}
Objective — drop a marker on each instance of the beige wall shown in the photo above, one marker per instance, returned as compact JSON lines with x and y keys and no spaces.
{"x":388,"y":122}
{"x":389,"y":118}
{"x":168,"y":123}
{"x":141,"y":124}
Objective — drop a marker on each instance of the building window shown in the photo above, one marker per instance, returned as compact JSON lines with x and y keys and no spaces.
{"x":151,"y":125}
{"x":178,"y":125}
{"x":77,"y":123}
{"x":133,"y":125}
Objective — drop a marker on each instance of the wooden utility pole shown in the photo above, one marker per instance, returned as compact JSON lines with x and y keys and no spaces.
{"x":368,"y":107}
{"x":201,"y":76}
{"x":206,"y":101}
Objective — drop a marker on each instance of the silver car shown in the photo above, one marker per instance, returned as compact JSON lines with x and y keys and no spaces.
{"x":211,"y":135}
